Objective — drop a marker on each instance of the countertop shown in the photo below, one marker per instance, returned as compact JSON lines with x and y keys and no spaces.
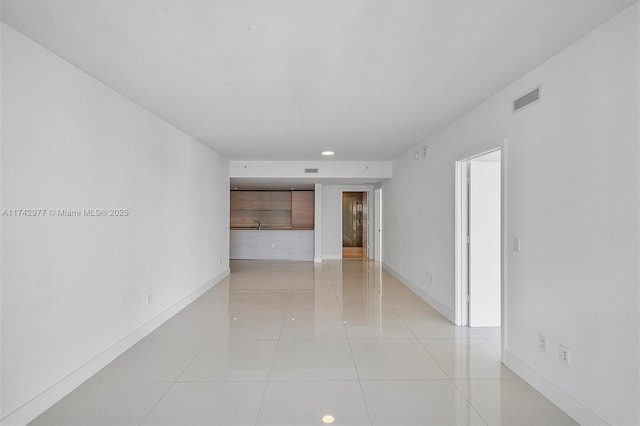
{"x":269,"y":228}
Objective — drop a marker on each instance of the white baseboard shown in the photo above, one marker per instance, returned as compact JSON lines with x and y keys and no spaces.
{"x":446,"y":312}
{"x":32,"y":409}
{"x":553,"y":393}
{"x":332,"y":256}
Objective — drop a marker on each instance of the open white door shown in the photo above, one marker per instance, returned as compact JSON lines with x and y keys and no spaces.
{"x":484,"y":243}
{"x":365,"y":226}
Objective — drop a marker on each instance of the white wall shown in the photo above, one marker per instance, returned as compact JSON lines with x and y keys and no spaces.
{"x":572,"y":197}
{"x":326,"y":169}
{"x":317,"y":224}
{"x":72,"y":287}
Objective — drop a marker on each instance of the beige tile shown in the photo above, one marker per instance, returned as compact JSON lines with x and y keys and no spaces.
{"x":306,"y":403}
{"x":105,"y":403}
{"x":192,"y":323}
{"x":511,"y":402}
{"x":313,"y":360}
{"x":319,"y":300}
{"x":467,"y":358}
{"x":376,"y":326}
{"x":254,"y":324}
{"x":427,"y":402}
{"x":152,"y":361}
{"x":209,"y":403}
{"x":435,"y":326}
{"x":394,"y":359}
{"x":311,"y":325}
{"x":491,"y":334}
{"x":240,"y":301}
{"x":232,"y":360}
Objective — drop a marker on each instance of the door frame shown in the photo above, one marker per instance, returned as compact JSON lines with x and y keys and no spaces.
{"x":369,"y":207}
{"x":461,"y":305}
{"x":377,"y":228}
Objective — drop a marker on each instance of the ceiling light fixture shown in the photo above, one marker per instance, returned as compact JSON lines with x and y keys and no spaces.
{"x":328,"y":153}
{"x":328,"y":419}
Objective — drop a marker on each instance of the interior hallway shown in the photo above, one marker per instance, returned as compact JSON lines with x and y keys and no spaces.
{"x":288,"y":343}
{"x":353,"y":253}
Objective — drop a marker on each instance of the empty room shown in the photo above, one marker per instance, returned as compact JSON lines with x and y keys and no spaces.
{"x":286,"y":212}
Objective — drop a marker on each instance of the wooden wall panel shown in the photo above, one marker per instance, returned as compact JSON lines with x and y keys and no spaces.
{"x":302,"y":209}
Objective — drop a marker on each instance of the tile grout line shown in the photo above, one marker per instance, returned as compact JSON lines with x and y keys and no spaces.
{"x":175,"y":380}
{"x":156,"y":404}
{"x":468,"y":401}
{"x":273,"y":358}
{"x":451,"y":380}
{"x":355,"y":366}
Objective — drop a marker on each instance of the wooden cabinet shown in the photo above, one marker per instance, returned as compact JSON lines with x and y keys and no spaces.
{"x":274,"y":209}
{"x":302,"y":209}
{"x":261,"y":200}
{"x":240,"y":200}
{"x":281,"y":196}
{"x":281,"y":200}
{"x":260,"y":195}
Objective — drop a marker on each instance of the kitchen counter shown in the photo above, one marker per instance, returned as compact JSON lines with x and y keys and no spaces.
{"x":275,"y":243}
{"x":269,"y":228}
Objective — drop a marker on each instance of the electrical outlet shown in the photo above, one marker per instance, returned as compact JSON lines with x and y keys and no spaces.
{"x":433,"y":281}
{"x":219,"y":260}
{"x":565,"y":355}
{"x":148,"y":298}
{"x":273,"y":245}
{"x":542,"y":343}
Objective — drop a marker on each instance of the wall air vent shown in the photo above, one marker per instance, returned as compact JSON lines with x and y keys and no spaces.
{"x":528,"y":99}
{"x":311,"y":170}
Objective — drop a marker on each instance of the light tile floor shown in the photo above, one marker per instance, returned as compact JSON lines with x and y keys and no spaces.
{"x":287,"y":343}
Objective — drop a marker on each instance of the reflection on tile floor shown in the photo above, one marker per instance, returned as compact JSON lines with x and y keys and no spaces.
{"x":288,"y":343}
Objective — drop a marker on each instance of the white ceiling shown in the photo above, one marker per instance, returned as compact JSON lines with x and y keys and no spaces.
{"x":286,"y":79}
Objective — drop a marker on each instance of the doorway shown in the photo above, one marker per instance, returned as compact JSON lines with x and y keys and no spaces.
{"x":478,"y":240}
{"x":377,"y":244}
{"x":354,"y":225}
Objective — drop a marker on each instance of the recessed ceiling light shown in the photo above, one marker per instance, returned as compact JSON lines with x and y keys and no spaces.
{"x":328,"y":153}
{"x":328,"y":419}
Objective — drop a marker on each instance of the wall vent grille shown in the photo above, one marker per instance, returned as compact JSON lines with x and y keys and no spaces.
{"x":311,"y":170}
{"x":528,"y":99}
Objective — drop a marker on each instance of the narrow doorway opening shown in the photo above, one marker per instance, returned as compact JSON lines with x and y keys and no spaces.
{"x":479,"y":241}
{"x":354,"y":225}
{"x":377,"y":244}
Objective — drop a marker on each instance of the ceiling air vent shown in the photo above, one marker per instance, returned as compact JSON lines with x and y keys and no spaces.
{"x":528,"y":99}
{"x":311,"y":170}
